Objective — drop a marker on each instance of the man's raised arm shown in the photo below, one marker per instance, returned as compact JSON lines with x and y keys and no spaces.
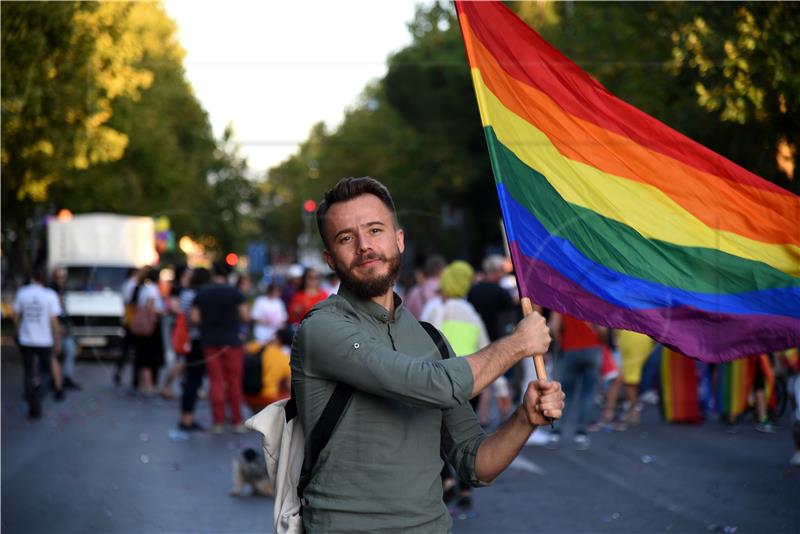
{"x":531,"y":336}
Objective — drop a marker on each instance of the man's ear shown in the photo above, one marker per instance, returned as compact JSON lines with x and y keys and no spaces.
{"x":401,"y":241}
{"x":329,"y":259}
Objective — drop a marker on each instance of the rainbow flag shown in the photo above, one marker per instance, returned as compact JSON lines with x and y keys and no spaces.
{"x":680,"y":401}
{"x":737,"y":380}
{"x":615,"y":218}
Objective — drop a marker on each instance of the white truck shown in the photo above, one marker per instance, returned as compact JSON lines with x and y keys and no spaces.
{"x":99,"y":251}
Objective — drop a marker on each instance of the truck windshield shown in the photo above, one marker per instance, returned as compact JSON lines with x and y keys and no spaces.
{"x":95,"y":278}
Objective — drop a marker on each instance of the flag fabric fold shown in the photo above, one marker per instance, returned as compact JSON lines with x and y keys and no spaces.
{"x":615,"y":218}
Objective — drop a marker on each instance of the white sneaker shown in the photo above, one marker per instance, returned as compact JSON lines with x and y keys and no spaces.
{"x":582,"y":441}
{"x":649,"y":397}
{"x":795,"y":460}
{"x":766,"y":428}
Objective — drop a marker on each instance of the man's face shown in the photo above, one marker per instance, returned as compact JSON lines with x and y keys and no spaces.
{"x":59,"y":277}
{"x":364,"y":246}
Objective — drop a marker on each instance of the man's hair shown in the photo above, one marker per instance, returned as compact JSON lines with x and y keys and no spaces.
{"x":200,"y":277}
{"x":220,"y":268}
{"x":348,"y":189}
{"x":38,"y":274}
{"x":434,"y":266}
{"x":494,"y":264}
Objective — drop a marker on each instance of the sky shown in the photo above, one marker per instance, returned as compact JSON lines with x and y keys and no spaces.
{"x":275,"y":68}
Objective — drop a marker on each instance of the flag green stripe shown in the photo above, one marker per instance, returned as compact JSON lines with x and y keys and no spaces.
{"x":621,"y":248}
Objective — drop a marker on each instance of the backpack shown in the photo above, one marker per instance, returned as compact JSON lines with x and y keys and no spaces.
{"x":290,"y":458}
{"x":130,"y":308}
{"x":181,"y":344}
{"x":252,"y":375}
{"x":144,"y":322}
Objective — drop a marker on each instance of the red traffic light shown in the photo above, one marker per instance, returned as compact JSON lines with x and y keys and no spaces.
{"x":232,"y":259}
{"x":309,"y":206}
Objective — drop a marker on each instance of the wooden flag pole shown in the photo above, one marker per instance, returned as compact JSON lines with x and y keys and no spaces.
{"x":538,"y":359}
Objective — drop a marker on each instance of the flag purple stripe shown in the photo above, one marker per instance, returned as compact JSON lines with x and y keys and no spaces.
{"x":711,"y":337}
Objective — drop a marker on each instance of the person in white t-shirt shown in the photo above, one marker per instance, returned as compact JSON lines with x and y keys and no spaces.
{"x":268,"y":314}
{"x":37,"y":330}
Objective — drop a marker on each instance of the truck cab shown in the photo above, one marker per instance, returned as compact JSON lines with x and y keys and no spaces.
{"x":99,"y":252}
{"x":95,"y":306}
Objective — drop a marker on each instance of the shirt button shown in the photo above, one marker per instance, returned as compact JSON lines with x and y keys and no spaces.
{"x":356,"y":345}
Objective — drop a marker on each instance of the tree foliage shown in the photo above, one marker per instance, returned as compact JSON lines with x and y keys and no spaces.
{"x":744,"y":58}
{"x":171,"y":147}
{"x":64,"y":64}
{"x":98,"y":116}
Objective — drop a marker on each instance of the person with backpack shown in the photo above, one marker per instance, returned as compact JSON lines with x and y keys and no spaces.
{"x":145,"y":327}
{"x":380,"y":469}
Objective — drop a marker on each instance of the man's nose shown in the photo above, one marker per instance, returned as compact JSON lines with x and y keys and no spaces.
{"x":362,"y":243}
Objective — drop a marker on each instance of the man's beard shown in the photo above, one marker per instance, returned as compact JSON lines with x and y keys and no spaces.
{"x":370,"y":287}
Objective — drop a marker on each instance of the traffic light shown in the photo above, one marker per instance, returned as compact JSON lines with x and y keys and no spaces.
{"x":309,"y":206}
{"x":232,"y":259}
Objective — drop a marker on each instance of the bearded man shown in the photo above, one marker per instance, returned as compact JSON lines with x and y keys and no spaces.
{"x":381,"y":467}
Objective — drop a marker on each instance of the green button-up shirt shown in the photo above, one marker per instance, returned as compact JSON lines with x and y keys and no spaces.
{"x":381,"y":468}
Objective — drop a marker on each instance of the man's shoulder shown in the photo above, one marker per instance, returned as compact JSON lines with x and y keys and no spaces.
{"x":214,"y":291}
{"x":35,"y":291}
{"x":332,"y":309}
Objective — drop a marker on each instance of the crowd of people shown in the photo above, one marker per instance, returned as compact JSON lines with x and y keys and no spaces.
{"x":206,"y":321}
{"x":215,"y":330}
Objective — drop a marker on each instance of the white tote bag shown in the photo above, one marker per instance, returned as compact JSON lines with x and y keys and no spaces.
{"x":284,"y":450}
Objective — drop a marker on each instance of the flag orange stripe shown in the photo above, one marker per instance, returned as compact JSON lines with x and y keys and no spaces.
{"x":724,"y":205}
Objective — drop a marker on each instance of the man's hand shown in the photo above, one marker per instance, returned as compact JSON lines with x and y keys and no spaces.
{"x":533,"y":333}
{"x":543,"y":402}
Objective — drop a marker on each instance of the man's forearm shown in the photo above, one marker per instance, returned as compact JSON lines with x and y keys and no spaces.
{"x":492,"y":361}
{"x":498,"y":450}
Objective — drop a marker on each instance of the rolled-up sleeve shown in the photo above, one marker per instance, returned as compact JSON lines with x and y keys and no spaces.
{"x":334,"y":347}
{"x":461,"y":437}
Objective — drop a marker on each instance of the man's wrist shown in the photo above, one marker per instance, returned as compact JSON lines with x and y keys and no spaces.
{"x":515,"y":347}
{"x":522,"y":418}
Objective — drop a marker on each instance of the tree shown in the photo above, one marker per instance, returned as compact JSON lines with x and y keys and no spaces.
{"x":744,"y":58}
{"x":171,"y":148}
{"x":63,"y":65}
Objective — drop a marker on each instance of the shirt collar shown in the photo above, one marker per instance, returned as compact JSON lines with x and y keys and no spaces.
{"x":369,"y":307}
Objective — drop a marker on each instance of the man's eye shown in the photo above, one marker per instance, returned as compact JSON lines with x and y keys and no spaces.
{"x":375,"y":230}
{"x":345,"y":239}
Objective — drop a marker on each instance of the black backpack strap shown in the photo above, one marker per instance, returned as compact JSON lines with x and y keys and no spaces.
{"x":322,"y":431}
{"x":437,"y":338}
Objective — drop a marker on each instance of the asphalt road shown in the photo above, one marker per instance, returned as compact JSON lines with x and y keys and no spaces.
{"x":107,"y":461}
